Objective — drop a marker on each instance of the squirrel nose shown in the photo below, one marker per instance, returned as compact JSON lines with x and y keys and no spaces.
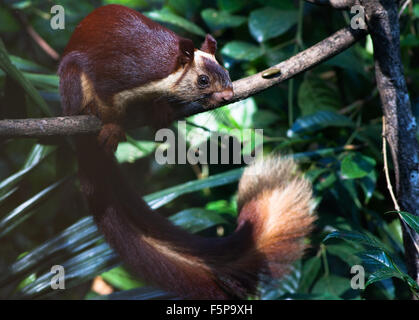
{"x":225,"y":95}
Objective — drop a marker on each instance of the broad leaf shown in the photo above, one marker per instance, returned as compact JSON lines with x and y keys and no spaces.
{"x":7,"y":66}
{"x":268,"y":22}
{"x":167,"y":16}
{"x":355,"y":165}
{"x":196,"y":219}
{"x":411,"y":220}
{"x":26,"y":209}
{"x":217,"y":20}
{"x":317,"y":95}
{"x":240,"y":50}
{"x":318,"y":121}
{"x":121,"y":279}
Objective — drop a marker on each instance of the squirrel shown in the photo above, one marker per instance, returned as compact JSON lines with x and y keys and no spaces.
{"x":117,"y":59}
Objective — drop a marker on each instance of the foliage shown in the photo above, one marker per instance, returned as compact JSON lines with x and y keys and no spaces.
{"x":328,"y":118}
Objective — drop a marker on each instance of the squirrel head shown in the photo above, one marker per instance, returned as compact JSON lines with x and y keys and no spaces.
{"x":202,"y":78}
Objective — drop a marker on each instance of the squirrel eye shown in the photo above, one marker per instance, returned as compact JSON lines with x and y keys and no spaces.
{"x":203,"y":81}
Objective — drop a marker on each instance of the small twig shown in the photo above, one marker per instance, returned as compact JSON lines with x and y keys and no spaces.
{"x":36,"y":37}
{"x":404,"y":6}
{"x":390,"y":187}
{"x":386,"y":171}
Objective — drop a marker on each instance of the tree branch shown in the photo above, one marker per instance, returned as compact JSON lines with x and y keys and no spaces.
{"x":243,"y":88}
{"x":383,"y":23}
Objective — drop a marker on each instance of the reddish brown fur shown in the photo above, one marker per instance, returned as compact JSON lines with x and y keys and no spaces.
{"x":268,"y":238}
{"x":107,"y":44}
{"x":115,"y":49}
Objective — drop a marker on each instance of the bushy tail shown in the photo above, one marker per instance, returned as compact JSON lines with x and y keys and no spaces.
{"x":275,"y":205}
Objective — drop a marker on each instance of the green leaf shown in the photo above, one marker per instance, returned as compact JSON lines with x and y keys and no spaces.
{"x":8,"y":23}
{"x":376,"y":258}
{"x":318,"y":121}
{"x":196,"y":219}
{"x":355,"y":165}
{"x":382,"y":274}
{"x":78,"y":269}
{"x":357,"y":237}
{"x":345,"y":252}
{"x":409,"y":41}
{"x":222,"y":207}
{"x":186,"y":8}
{"x":267,"y":23}
{"x":35,"y":157}
{"x":285,"y":286}
{"x":350,"y":187}
{"x":69,"y":242}
{"x":326,"y":182}
{"x":385,"y":273}
{"x":218,"y":20}
{"x":166,"y":16}
{"x":265,"y":118}
{"x":310,"y":272}
{"x":26,"y":281}
{"x":348,"y":60}
{"x":135,"y":4}
{"x":160,"y":198}
{"x":332,"y":285}
{"x":7,"y":66}
{"x":317,"y":95}
{"x":21,"y":4}
{"x":411,"y":220}
{"x":395,"y":231}
{"x":25,"y":210}
{"x":43,"y":80}
{"x":121,"y":279}
{"x":240,"y":50}
{"x":232,"y":5}
{"x":311,"y":155}
{"x":241,"y":113}
{"x":27,"y":65}
{"x":383,"y":268}
{"x":368,"y":184}
{"x":133,"y":150}
{"x":280,"y":4}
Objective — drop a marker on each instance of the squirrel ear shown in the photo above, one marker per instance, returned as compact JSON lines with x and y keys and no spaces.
{"x":209,"y":45}
{"x":186,"y":51}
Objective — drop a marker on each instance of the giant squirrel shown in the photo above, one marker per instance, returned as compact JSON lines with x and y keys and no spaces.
{"x":118,"y":58}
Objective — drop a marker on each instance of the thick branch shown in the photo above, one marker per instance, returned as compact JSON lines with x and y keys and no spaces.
{"x":243,"y":88}
{"x":337,"y":4}
{"x":383,"y":24}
